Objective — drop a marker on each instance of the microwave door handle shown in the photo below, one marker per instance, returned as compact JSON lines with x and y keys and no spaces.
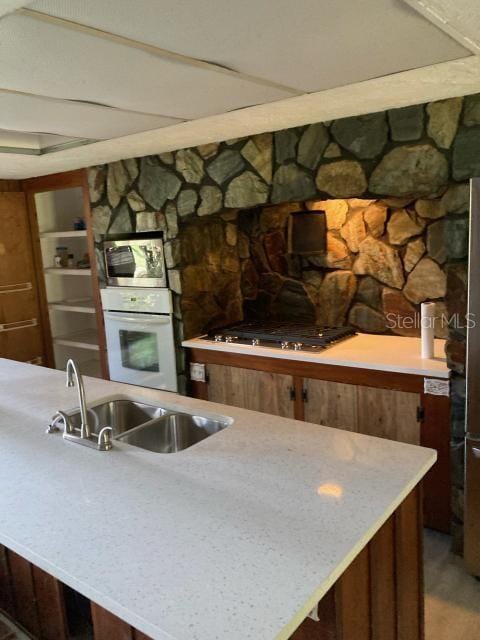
{"x":156,"y":320}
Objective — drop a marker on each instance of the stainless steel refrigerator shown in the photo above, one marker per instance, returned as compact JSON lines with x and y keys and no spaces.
{"x":472,"y":438}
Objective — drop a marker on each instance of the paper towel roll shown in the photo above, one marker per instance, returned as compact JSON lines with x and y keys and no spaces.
{"x":427,"y":324}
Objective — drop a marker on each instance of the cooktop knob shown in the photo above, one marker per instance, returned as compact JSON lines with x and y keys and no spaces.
{"x":255,"y":342}
{"x":285,"y":345}
{"x":297,"y":346}
{"x":231,"y":338}
{"x":218,"y":337}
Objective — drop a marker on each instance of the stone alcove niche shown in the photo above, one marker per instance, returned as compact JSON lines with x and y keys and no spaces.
{"x":383,"y":258}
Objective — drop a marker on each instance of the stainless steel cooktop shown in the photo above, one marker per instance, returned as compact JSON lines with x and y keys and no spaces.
{"x":281,"y":335}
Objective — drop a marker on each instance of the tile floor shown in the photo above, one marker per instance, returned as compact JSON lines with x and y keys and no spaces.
{"x":452,"y":597}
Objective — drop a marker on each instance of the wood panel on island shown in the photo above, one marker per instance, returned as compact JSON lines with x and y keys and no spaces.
{"x":376,"y":403}
{"x":378,"y":597}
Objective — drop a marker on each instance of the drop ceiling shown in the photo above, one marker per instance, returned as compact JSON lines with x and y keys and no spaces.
{"x":97,"y":80}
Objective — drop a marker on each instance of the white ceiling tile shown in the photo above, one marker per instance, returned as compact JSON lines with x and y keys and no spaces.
{"x":30,"y":113}
{"x":447,"y":80}
{"x":461,"y":19}
{"x":19,"y":140}
{"x":310,"y":45}
{"x":50,"y":60}
{"x":8,"y":6}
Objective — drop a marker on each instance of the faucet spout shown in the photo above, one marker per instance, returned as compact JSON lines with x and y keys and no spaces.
{"x":74,"y":377}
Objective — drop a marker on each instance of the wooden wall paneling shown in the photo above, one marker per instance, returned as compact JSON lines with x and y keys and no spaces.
{"x":6,"y":594}
{"x":333,"y":404}
{"x":388,"y":414}
{"x":435,"y":433}
{"x":382,"y":583}
{"x":24,"y":593}
{"x":409,"y":567}
{"x":18,"y":278}
{"x":50,"y":603}
{"x":107,"y":626}
{"x":255,"y":390}
{"x":315,"y":370}
{"x":10,"y":185}
{"x":42,"y":293}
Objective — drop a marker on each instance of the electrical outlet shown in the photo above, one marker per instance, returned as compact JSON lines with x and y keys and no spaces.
{"x":197,"y":372}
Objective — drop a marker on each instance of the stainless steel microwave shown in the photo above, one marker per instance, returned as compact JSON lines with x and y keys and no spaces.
{"x":135,"y":262}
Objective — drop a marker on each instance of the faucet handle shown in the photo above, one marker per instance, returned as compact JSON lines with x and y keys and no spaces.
{"x":59,"y":415}
{"x":104,"y":441}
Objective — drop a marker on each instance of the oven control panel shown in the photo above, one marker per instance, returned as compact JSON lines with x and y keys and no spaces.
{"x":141,"y":300}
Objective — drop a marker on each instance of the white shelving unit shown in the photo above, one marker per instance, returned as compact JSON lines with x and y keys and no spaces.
{"x":69,"y":290}
{"x":64,"y":234}
{"x":82,"y":305}
{"x":65,"y":271}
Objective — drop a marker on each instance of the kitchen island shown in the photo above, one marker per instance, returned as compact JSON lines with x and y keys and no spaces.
{"x":239,"y":536}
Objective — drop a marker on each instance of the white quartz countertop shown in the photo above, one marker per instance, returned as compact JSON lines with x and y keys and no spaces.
{"x":365,"y":351}
{"x":237,"y":537}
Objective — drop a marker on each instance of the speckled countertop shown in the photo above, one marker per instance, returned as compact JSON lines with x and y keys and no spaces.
{"x":367,"y":351}
{"x":237,"y":537}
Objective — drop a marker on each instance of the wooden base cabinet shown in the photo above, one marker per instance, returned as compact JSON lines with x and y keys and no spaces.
{"x":256,"y":390}
{"x":378,"y":597}
{"x":32,"y":597}
{"x":376,"y":403}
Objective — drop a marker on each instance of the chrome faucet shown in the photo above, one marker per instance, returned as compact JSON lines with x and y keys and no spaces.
{"x":101,"y":441}
{"x":73,"y":375}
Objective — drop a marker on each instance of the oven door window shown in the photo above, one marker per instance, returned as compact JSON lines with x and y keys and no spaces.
{"x":135,"y":261}
{"x":139,"y":350}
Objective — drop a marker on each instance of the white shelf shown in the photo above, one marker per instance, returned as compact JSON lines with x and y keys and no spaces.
{"x":82,"y":233}
{"x":64,"y":271}
{"x":86,"y":339}
{"x":77,"y":306}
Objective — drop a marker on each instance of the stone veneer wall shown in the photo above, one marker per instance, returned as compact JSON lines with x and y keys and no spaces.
{"x":381,"y":260}
{"x":194,"y":195}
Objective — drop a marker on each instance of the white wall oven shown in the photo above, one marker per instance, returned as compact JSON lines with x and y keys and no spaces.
{"x":140,"y":339}
{"x":135,"y":261}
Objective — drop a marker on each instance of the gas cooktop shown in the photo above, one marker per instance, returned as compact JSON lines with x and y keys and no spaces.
{"x":281,"y":335}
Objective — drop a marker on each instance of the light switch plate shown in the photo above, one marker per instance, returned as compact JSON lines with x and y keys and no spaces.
{"x":197,"y":372}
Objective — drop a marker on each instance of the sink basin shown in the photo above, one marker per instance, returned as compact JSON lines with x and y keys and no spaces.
{"x":173,"y":432}
{"x":121,"y":415}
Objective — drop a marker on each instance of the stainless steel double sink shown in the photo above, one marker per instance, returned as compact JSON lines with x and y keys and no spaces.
{"x":147,"y":426}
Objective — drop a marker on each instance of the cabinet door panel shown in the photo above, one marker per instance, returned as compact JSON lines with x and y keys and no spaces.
{"x":24,"y":593}
{"x":107,"y":626}
{"x":333,"y":404}
{"x":388,"y":414}
{"x":50,"y":605}
{"x":6,"y":598}
{"x":251,"y":389}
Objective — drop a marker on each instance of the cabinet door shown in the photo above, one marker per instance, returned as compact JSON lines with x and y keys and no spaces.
{"x":251,"y":389}
{"x":388,"y":414}
{"x":333,"y":404}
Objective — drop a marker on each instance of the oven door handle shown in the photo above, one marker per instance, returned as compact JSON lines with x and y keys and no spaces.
{"x":143,"y":320}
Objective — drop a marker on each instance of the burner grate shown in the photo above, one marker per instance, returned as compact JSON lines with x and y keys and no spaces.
{"x":306,"y":334}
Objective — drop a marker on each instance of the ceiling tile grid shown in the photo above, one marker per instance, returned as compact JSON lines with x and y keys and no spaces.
{"x":153,"y":74}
